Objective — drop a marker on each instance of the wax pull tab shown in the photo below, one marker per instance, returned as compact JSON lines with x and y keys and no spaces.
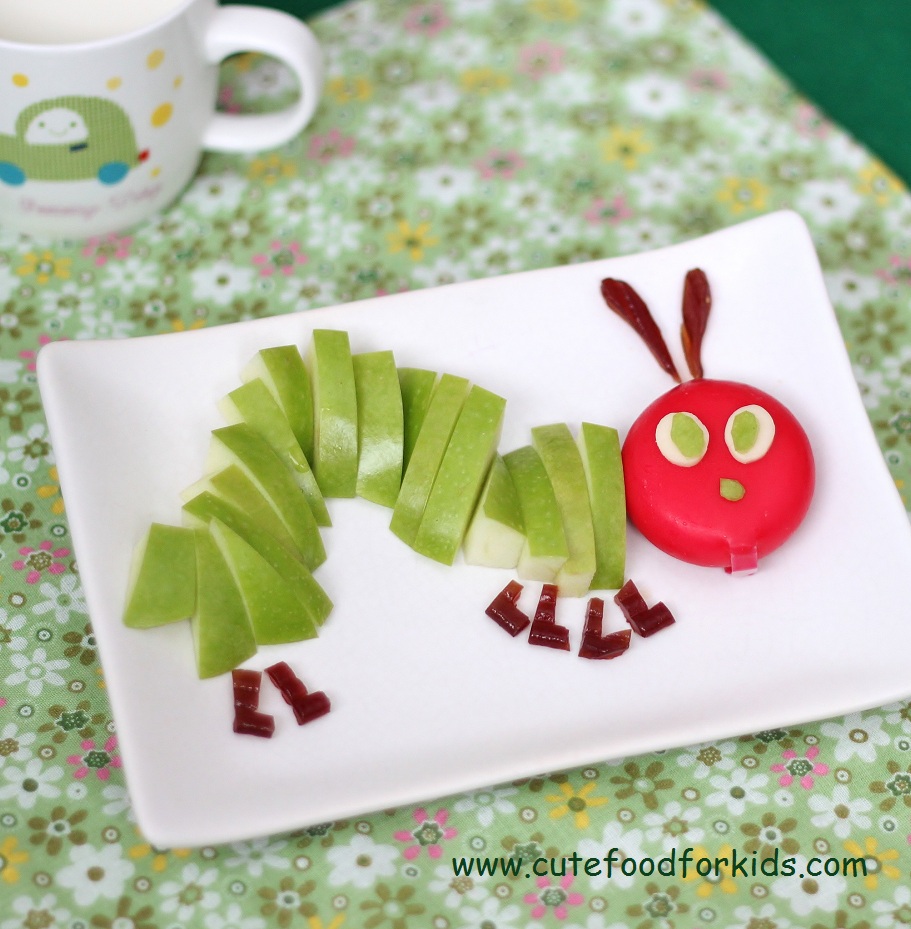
{"x":744,"y":560}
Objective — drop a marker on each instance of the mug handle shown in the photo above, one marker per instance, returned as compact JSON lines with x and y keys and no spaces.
{"x":255,"y":29}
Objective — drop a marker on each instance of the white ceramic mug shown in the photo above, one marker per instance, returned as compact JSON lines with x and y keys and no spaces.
{"x":98,"y":134}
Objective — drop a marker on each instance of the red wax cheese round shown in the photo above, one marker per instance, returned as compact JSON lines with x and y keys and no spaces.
{"x":717,"y":473}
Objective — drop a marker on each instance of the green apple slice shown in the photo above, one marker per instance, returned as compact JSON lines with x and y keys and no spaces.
{"x":600,"y":450}
{"x":233,"y":485}
{"x":563,"y":463}
{"x":283,"y":371}
{"x":443,"y":412}
{"x":162,"y":585}
{"x":242,"y":445}
{"x":222,"y":635}
{"x":545,"y":549}
{"x":496,"y":532}
{"x":203,"y":508}
{"x":276,"y":614}
{"x":416,"y":385}
{"x":335,"y":413}
{"x":254,"y":404}
{"x":461,"y":476}
{"x":380,"y":427}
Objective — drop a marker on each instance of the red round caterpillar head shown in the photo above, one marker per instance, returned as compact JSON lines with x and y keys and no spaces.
{"x":717,"y":473}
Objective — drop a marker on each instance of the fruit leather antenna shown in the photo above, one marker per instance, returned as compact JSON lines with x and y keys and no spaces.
{"x":697,"y":302}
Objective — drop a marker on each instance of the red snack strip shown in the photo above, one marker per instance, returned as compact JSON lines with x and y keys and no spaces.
{"x":252,"y":722}
{"x":246,"y":687}
{"x":644,"y":620}
{"x":306,"y":706}
{"x":296,"y":690}
{"x":544,"y":629}
{"x":504,"y":612}
{"x":297,"y":694}
{"x":594,"y":617}
{"x":594,"y":644}
{"x":630,"y":600}
{"x":310,"y":707}
{"x":653,"y":620}
{"x":547,"y":604}
{"x":549,"y":635}
{"x":512,"y":591}
{"x":607,"y":646}
{"x":282,"y":676}
{"x":291,"y":686}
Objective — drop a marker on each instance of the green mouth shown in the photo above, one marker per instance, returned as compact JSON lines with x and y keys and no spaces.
{"x":731,"y":489}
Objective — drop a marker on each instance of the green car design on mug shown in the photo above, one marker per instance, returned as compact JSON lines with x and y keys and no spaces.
{"x":70,"y":139}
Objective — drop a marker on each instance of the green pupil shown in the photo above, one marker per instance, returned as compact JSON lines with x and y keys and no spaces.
{"x":687,"y":436}
{"x":744,"y":431}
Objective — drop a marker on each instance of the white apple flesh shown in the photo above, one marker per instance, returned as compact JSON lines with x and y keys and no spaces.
{"x":496,"y":533}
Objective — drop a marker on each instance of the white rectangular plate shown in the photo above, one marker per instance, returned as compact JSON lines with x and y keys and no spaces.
{"x":429,"y":696}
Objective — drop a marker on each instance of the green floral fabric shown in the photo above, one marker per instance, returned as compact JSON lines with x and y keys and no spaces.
{"x":458,"y":139}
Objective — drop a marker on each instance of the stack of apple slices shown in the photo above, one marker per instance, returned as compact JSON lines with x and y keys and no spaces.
{"x":241,"y":569}
{"x":555,"y":510}
{"x":332,"y":424}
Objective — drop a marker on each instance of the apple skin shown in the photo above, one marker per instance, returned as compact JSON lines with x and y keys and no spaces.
{"x":334,"y":413}
{"x":283,"y":371}
{"x":445,"y":405}
{"x":380,"y":427}
{"x":545,"y":549}
{"x":599,"y":447}
{"x":222,"y":635}
{"x":416,"y":385}
{"x":162,"y":586}
{"x":242,"y":445}
{"x":254,"y":404}
{"x":681,"y":510}
{"x":233,"y":485}
{"x":276,"y":614}
{"x":461,"y":476}
{"x":563,"y":463}
{"x":203,"y":508}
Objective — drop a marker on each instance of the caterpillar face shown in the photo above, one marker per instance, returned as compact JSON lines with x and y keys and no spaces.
{"x":717,"y":473}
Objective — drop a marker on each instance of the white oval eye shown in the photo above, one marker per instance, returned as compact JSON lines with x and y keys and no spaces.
{"x":682,"y":439}
{"x":749,"y":433}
